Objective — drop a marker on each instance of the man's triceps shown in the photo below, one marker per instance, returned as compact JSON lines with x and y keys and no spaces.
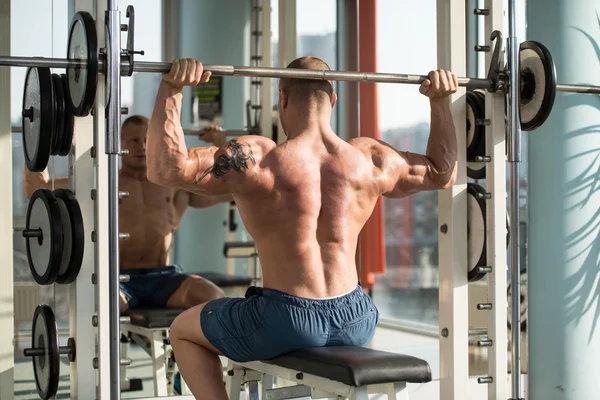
{"x":237,"y":161}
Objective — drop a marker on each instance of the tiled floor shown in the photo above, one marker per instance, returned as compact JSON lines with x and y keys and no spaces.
{"x":425,"y":347}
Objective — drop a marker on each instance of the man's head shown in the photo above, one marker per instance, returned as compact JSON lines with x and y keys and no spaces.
{"x":133,"y":138}
{"x":304,"y":94}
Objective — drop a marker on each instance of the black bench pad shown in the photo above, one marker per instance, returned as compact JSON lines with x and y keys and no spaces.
{"x":356,"y":366}
{"x":153,"y":317}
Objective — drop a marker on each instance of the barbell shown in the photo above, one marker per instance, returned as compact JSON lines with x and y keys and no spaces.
{"x":51,"y":100}
{"x":84,"y":62}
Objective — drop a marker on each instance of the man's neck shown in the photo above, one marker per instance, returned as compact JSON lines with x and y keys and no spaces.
{"x":135,"y":173}
{"x":308,"y":121}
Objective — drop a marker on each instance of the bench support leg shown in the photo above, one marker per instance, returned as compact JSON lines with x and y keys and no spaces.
{"x":397,"y":391}
{"x":267,"y":384}
{"x":159,"y":364}
{"x":252,"y":390}
{"x":233,"y":383}
{"x":360,"y":393}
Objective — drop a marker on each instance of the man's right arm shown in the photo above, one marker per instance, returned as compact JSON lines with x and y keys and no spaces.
{"x":41,"y":180}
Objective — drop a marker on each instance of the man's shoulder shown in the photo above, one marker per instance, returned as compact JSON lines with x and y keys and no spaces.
{"x":252,"y":144}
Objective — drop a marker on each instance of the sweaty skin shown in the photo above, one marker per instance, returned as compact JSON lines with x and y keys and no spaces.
{"x":304,"y":201}
{"x":150,"y":214}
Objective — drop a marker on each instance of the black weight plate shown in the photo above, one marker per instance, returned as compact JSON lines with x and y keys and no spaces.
{"x":69,"y":122}
{"x":537,"y":82}
{"x":37,"y":118}
{"x":46,"y":368}
{"x":476,"y":232}
{"x":476,"y":170}
{"x":44,"y":254}
{"x":59,"y":113}
{"x":82,"y":46}
{"x":523,"y":303}
{"x":473,"y":134}
{"x":74,"y":236}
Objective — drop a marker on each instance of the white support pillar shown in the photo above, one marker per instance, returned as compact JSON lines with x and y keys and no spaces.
{"x":101,"y":221}
{"x":6,"y":216}
{"x":87,"y":173}
{"x":453,"y":297}
{"x":496,"y":217}
{"x":287,"y":42}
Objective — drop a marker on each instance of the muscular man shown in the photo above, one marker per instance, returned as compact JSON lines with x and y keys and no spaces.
{"x":150,"y":215}
{"x":304,"y":202}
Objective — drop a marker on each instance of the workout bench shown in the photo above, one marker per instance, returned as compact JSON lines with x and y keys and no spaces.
{"x":329,"y":373}
{"x":149,"y":328}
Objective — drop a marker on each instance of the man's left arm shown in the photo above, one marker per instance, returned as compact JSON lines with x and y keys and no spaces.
{"x":169,"y":162}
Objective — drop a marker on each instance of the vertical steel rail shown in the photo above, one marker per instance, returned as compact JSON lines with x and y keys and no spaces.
{"x":113,"y":125}
{"x":514,"y":159}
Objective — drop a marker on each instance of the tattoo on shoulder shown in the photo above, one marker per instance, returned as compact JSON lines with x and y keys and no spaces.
{"x":238,"y":161}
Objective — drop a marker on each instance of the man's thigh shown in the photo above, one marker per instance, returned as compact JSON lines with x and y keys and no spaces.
{"x":192,"y":291}
{"x":187,"y":326}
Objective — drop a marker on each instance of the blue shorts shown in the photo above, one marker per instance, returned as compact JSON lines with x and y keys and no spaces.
{"x":268,"y":323}
{"x":152,"y":287}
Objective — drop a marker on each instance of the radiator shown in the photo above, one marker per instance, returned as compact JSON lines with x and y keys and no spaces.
{"x":27,"y":298}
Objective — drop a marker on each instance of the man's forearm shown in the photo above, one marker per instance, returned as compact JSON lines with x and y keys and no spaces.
{"x":442,"y":145}
{"x":166,"y":148}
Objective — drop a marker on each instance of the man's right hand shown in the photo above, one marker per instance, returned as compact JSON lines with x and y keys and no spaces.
{"x":186,"y":72}
{"x":441,"y":84}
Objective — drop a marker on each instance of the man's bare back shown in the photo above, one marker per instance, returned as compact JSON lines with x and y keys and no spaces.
{"x":305,"y":201}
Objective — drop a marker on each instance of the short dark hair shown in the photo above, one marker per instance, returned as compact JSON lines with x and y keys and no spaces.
{"x":135,"y":120}
{"x":306,"y":89}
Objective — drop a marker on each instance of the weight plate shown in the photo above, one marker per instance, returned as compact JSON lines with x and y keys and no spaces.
{"x":37,"y":118}
{"x":107,"y":80}
{"x":69,"y":122}
{"x":82,"y":46}
{"x":59,"y":113}
{"x":44,"y":253}
{"x":46,"y":367}
{"x":523,"y":303}
{"x":537,"y":82}
{"x":476,"y":232}
{"x":476,"y":170}
{"x":475,"y":133}
{"x":73,"y":234}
